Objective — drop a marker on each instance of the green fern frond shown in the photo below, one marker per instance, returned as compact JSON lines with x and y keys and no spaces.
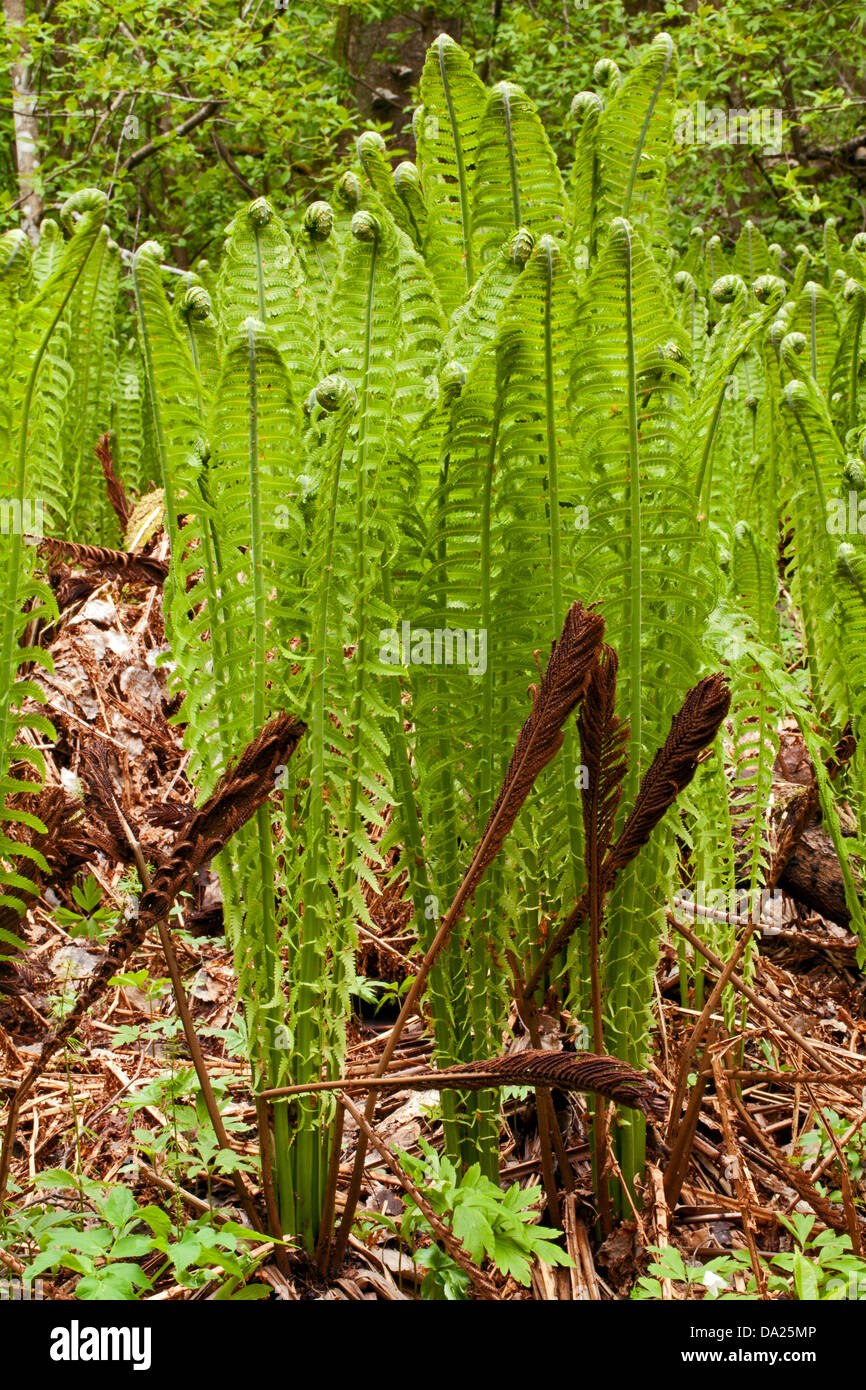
{"x":634,"y":141}
{"x":517,"y":180}
{"x":447,"y":133}
{"x":261,"y":277}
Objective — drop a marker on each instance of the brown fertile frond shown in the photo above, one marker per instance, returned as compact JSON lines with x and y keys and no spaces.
{"x":116,"y":491}
{"x":567,"y":1071}
{"x":57,"y":843}
{"x":114,"y":564}
{"x":569,"y":670}
{"x":100,"y":800}
{"x":241,"y":791}
{"x":170,"y":813}
{"x":537,"y":1067}
{"x":693,"y":729}
{"x":604,"y":754}
{"x":243,"y":788}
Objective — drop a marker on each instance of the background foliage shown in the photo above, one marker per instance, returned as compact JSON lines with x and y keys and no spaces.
{"x":289,"y":74}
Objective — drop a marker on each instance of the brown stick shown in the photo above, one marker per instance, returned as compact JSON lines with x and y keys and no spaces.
{"x":855,"y":1079}
{"x":739,"y":984}
{"x":744,"y":1196}
{"x":677,"y":1164}
{"x":709,"y":1009}
{"x":794,"y":1177}
{"x":483,"y":1286}
{"x":192,"y":1042}
{"x":660,"y":1208}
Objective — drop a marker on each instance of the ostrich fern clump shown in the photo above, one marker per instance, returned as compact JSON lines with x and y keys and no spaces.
{"x":420,"y":421}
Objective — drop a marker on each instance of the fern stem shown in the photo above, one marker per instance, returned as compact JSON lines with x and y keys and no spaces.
{"x":272,"y":974}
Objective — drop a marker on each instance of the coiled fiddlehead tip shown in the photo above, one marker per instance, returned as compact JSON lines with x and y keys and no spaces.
{"x":15,"y":255}
{"x":584,"y":102}
{"x":331,"y":392}
{"x":370,"y":143}
{"x":196,"y":303}
{"x":319,"y":221}
{"x":769,"y":290}
{"x":521,"y":246}
{"x":858,"y":243}
{"x":85,"y":200}
{"x":793,"y":345}
{"x":406,"y":175}
{"x":854,"y":472}
{"x":365,"y":227}
{"x":147,"y":251}
{"x":260,"y":212}
{"x":728,"y":288}
{"x":548,"y":248}
{"x":683,"y":280}
{"x":795,"y":395}
{"x":348,"y":190}
{"x":853,"y":291}
{"x":504,"y":93}
{"x":856,"y":440}
{"x":607,"y":72}
{"x":696,"y":233}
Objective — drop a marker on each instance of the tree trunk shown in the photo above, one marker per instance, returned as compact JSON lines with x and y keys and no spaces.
{"x":812,"y":876}
{"x":25,"y":124}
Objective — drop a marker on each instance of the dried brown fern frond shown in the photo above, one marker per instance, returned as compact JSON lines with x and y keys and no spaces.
{"x":604,"y":755}
{"x":112,"y":564}
{"x":567,"y":1071}
{"x":100,"y":800}
{"x":244,"y":787}
{"x":569,"y":671}
{"x":58,"y":843}
{"x":693,"y":729}
{"x":116,"y":491}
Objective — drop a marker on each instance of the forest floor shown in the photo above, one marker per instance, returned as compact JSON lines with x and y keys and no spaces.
{"x":725,"y":1171}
